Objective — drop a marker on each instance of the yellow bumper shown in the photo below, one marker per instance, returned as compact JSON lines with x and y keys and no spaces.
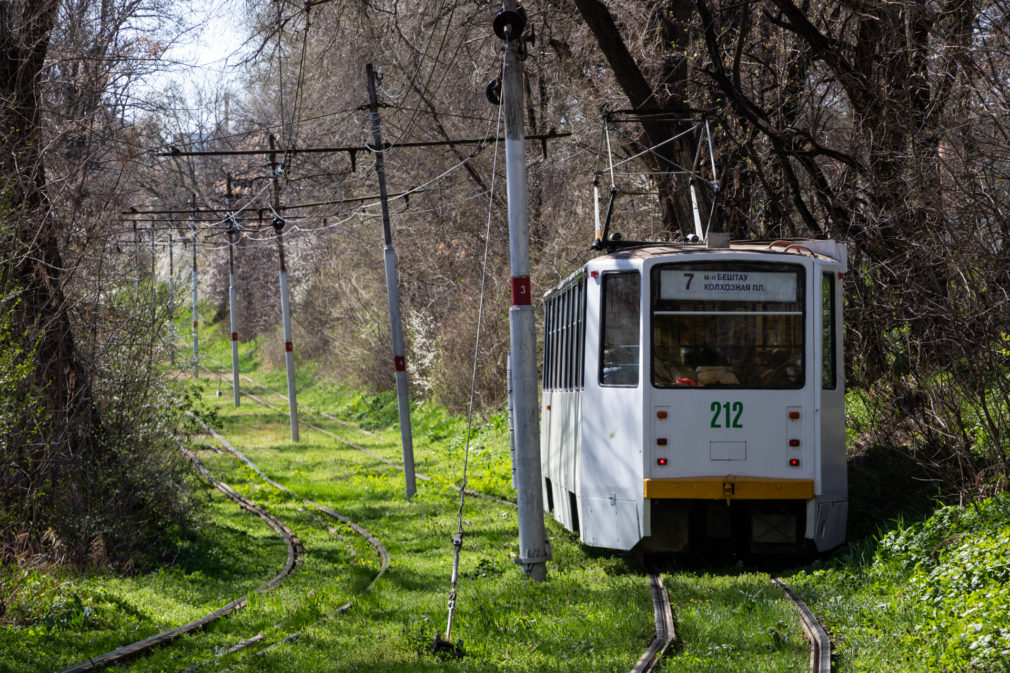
{"x":729,"y":488}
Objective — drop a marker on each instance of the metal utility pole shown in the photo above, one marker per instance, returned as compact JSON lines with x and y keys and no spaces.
{"x":196,"y":324}
{"x":136,"y":261}
{"x":154,"y":273}
{"x":231,"y":231}
{"x":289,"y":354}
{"x":509,"y":25}
{"x":171,"y":300}
{"x":393,"y":293}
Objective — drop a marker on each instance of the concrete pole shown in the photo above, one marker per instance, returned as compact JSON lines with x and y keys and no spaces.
{"x":522,"y":325}
{"x":136,"y":261}
{"x":289,"y":350}
{"x":196,"y":324}
{"x":154,"y":269}
{"x":393,"y":294}
{"x":171,"y":299}
{"x":232,"y":230}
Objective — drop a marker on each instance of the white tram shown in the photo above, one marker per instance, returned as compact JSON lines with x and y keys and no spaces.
{"x":695,"y":395}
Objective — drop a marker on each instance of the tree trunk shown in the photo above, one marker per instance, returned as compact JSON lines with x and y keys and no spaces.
{"x":33,"y":272}
{"x":674,"y":195}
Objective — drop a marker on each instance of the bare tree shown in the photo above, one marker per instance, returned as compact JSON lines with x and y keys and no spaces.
{"x":66,"y":156}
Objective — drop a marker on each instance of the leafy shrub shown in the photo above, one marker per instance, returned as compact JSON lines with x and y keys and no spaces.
{"x":108,"y":486}
{"x":938,"y":590}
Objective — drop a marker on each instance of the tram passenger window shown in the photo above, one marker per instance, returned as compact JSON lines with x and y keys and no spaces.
{"x":727,"y":324}
{"x":619,"y":355}
{"x":564,"y":317}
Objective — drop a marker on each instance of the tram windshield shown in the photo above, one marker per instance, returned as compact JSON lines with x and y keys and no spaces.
{"x":728,"y":324}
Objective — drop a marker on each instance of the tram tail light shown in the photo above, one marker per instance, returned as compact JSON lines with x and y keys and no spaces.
{"x":794,"y":443}
{"x":661,"y":461}
{"x":661,"y":441}
{"x":794,"y":415}
{"x":794,"y":462}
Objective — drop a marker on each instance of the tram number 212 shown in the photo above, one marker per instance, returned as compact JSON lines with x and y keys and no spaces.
{"x":730,"y":410}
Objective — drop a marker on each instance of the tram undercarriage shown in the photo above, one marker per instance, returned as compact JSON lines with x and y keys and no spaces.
{"x":755,"y":526}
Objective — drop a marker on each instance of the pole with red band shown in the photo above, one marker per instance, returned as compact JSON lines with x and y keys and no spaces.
{"x":196,"y":324}
{"x":522,"y":322}
{"x":289,"y":355}
{"x":393,"y":293}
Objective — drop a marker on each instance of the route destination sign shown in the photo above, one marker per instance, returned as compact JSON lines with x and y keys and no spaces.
{"x":726,"y":285}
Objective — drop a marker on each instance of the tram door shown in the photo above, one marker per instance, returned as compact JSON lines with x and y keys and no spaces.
{"x":611,"y":461}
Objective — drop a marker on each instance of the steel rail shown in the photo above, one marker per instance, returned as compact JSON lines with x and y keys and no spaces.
{"x":294,"y":559}
{"x":665,"y":633}
{"x":371,"y":539}
{"x":820,"y":644}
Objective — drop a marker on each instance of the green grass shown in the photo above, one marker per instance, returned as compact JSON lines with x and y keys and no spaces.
{"x":59,"y":618}
{"x":592,"y":614}
{"x":930,"y":596}
{"x":734,"y":622}
{"x":500,"y":614}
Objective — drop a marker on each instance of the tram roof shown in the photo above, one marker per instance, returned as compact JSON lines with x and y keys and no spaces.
{"x":825,"y":249}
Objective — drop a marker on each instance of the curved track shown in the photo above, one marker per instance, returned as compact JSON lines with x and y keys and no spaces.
{"x":295,"y":558}
{"x":380,"y":550}
{"x":665,"y":633}
{"x":820,"y":646}
{"x":312,"y":426}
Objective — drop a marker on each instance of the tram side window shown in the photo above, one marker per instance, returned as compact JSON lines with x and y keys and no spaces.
{"x":564,"y":318}
{"x":548,"y":344}
{"x":828,"y":359}
{"x":619,"y":345}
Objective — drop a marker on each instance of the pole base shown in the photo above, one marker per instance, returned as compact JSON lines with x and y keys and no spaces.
{"x":444,"y":649}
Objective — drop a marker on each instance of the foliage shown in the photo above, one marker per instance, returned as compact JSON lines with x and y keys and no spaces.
{"x":593,"y":613}
{"x":932,"y":595}
{"x":89,"y":473}
{"x":20,"y":417}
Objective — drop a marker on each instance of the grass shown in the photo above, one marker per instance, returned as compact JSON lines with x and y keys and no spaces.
{"x":592,"y":614}
{"x":500,"y":613}
{"x":59,"y":616}
{"x":930,"y":596}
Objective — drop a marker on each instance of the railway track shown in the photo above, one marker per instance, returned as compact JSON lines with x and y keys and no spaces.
{"x":820,"y":645}
{"x":665,"y":632}
{"x":295,"y":558}
{"x":345,"y":442}
{"x":374,"y":542}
